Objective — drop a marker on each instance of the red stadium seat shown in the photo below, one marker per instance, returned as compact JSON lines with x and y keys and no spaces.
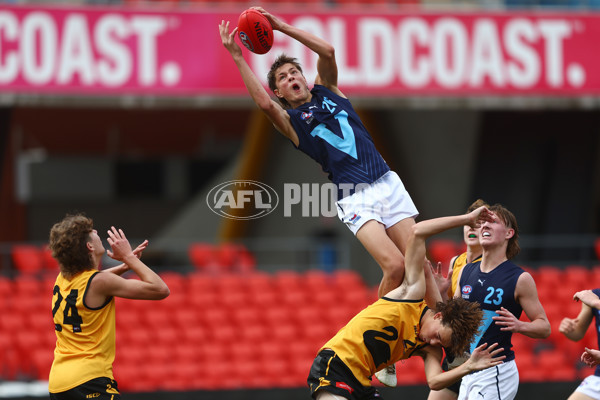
{"x":50,"y":263}
{"x":317,"y":280}
{"x":327,"y":297}
{"x":346,"y":279}
{"x":293,"y":296}
{"x":577,"y":277}
{"x":42,"y":361}
{"x":285,"y":279}
{"x":410,"y":371}
{"x":549,"y":276}
{"x":265,"y":299}
{"x":27,"y":259}
{"x":259,"y":282}
{"x":442,"y":250}
{"x":202,"y":256}
{"x":278,"y":314}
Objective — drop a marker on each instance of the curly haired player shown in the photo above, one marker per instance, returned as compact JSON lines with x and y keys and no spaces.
{"x":400,"y":325}
{"x":84,"y":306}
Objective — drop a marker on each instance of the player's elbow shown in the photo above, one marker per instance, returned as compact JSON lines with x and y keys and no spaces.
{"x":264,"y":103}
{"x":417,"y":231}
{"x":542,"y":330}
{"x":434,"y":384}
{"x":328,"y":52}
{"x":162,"y":292}
{"x":547,"y":331}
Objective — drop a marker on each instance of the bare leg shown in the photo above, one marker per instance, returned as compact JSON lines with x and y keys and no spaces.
{"x":444,"y":394}
{"x":324,"y":395}
{"x":579,"y":396}
{"x":375,"y":240}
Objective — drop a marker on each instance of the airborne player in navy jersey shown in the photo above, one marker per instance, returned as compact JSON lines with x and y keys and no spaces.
{"x":321,"y":122}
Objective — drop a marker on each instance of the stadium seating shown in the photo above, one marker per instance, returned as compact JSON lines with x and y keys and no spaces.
{"x":27,"y":259}
{"x":256,"y":324}
{"x":442,"y":250}
{"x":225,"y":257}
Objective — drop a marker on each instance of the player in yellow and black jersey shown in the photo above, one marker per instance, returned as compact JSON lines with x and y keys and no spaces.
{"x":83,"y":306}
{"x":472,"y":255}
{"x":400,"y":325}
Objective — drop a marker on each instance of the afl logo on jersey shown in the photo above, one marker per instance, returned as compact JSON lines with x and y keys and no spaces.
{"x":466,"y":290}
{"x":307,"y":117}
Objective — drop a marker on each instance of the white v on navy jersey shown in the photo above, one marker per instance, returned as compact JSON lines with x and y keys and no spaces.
{"x":332,"y":134}
{"x":492,"y":291}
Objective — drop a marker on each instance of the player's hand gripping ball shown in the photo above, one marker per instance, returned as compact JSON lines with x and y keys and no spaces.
{"x":255,"y":31}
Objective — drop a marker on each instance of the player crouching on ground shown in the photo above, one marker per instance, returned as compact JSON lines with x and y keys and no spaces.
{"x":400,"y":325}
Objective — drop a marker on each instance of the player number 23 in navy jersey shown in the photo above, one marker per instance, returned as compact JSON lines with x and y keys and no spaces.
{"x":494,"y":296}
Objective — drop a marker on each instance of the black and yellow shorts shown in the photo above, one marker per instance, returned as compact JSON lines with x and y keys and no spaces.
{"x":95,"y":389}
{"x":329,"y":373}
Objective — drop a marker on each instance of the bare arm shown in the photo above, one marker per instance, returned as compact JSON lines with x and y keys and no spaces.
{"x":413,"y":286}
{"x":588,"y":298}
{"x":526,"y":295}
{"x":122,"y":268}
{"x":432,"y":290}
{"x":327,"y":71}
{"x":575,"y":329}
{"x":590,"y":357}
{"x":483,"y":357}
{"x":276,"y":114}
{"x":149,"y":287}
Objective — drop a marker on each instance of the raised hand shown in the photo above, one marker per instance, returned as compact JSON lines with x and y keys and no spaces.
{"x":479,"y":216}
{"x":138,"y":250}
{"x":228,"y":38}
{"x":442,"y":282}
{"x":276,"y":23}
{"x":119,"y":244}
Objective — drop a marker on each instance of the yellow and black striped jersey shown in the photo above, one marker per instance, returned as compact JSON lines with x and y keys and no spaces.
{"x":378,"y":336}
{"x":85,"y":337}
{"x":457,"y":266}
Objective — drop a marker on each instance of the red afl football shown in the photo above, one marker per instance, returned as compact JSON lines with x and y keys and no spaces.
{"x":255,"y":31}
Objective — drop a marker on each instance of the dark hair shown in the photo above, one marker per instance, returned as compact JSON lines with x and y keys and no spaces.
{"x":476,"y":204}
{"x":68,"y":242}
{"x":510,"y":221}
{"x":271,"y":78}
{"x":464,"y":318}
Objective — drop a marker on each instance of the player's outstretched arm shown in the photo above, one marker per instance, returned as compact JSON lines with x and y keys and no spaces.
{"x":150,"y":286}
{"x":415,"y":253}
{"x":276,"y":114}
{"x":482,"y":357}
{"x":122,"y":268}
{"x":326,"y":65}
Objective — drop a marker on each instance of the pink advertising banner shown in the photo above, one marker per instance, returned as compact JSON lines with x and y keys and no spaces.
{"x":119,"y":51}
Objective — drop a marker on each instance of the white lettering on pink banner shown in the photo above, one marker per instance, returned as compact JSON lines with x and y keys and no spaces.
{"x":118,"y":51}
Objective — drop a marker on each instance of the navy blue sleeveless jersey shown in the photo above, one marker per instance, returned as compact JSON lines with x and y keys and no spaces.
{"x":332,"y":134}
{"x":596,"y":314}
{"x":492,"y":291}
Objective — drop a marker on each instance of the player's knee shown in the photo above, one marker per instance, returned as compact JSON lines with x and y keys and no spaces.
{"x":393,"y":269}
